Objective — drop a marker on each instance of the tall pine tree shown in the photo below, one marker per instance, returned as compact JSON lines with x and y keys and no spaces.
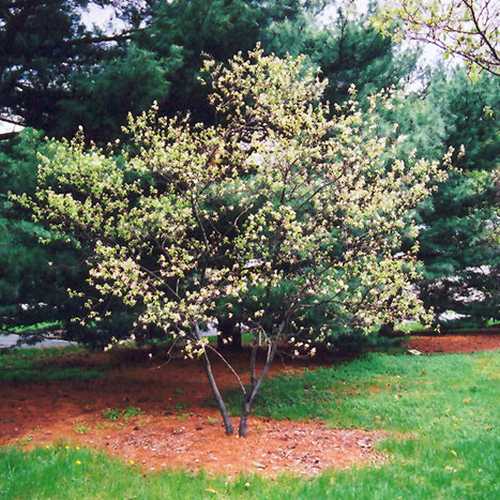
{"x":460,"y":243}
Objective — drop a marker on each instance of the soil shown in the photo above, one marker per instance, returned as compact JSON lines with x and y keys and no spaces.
{"x":455,"y":343}
{"x":177,"y":427}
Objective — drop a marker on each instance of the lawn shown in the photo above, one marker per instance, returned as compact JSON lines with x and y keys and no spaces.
{"x":440,"y":411}
{"x":27,"y":365}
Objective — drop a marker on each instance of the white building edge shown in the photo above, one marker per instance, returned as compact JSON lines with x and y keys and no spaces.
{"x":9,"y":129}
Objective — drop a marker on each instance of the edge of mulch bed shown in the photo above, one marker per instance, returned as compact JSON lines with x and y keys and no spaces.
{"x":445,"y":333}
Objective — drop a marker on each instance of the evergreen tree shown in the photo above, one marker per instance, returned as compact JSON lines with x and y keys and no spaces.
{"x":349,"y":52}
{"x":36,"y":270}
{"x":43,"y":43}
{"x":33,"y":277}
{"x":102,"y":96}
{"x":190,"y":30}
{"x":58,"y":74}
{"x":460,"y":244}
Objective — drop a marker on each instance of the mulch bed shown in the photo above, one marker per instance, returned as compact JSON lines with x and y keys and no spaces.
{"x":455,"y":343}
{"x":196,"y":441}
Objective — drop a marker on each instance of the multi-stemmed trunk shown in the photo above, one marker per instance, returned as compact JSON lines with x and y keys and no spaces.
{"x":255,"y":384}
{"x":249,"y":393}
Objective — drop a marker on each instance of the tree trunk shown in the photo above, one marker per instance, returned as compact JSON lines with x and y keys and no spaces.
{"x":243,"y":427}
{"x":237,"y":343}
{"x":254,"y":388}
{"x":228,"y":426}
{"x":229,"y":330}
{"x":387,"y":330}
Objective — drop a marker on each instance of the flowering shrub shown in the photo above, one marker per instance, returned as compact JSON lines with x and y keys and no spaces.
{"x":291,"y":213}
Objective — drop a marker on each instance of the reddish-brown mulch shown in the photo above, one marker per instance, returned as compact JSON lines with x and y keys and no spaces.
{"x":455,"y":343}
{"x":196,"y":440}
{"x":176,"y":428}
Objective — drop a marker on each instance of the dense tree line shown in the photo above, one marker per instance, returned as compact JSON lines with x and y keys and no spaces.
{"x":58,"y":74}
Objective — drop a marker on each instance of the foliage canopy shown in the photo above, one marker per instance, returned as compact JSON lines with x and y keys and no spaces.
{"x":278,"y":210}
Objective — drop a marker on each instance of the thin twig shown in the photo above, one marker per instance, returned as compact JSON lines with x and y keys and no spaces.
{"x":230,"y":367}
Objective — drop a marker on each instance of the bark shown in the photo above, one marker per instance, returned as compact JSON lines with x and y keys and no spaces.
{"x":237,"y":344}
{"x":243,"y":427}
{"x":254,"y":388}
{"x":387,"y":330}
{"x":253,"y":364}
{"x":228,"y":426}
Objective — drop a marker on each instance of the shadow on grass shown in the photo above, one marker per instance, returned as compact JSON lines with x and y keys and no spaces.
{"x":43,"y":365}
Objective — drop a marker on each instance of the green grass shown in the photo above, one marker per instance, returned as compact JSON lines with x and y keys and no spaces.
{"x":117,"y":414}
{"x":380,"y":391}
{"x":462,"y":325}
{"x":442,"y":412}
{"x":33,"y":365}
{"x":41,"y":327}
{"x":411,"y":327}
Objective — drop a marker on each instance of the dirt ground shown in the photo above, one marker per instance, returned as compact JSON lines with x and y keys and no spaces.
{"x":177,"y":428}
{"x":455,"y":343}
